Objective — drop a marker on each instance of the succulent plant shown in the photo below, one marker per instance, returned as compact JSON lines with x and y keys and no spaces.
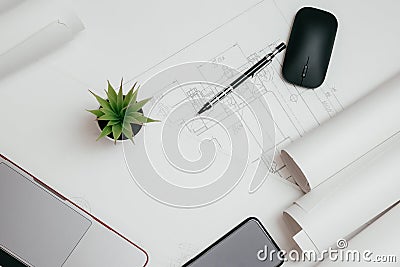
{"x":120,"y":111}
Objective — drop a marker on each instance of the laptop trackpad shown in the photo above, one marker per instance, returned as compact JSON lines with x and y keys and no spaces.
{"x":100,"y":247}
{"x":35,"y":226}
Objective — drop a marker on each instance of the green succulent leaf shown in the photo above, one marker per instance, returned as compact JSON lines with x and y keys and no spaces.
{"x":120,"y":98}
{"x":107,"y":111}
{"x":113,"y":122}
{"x":116,"y":130}
{"x":106,"y":131}
{"x":108,"y":117}
{"x":127,"y":100}
{"x":134,"y":95}
{"x":131,"y":113}
{"x":131,"y":119}
{"x":130,"y":96}
{"x":136,"y":106}
{"x":104,"y":103}
{"x":96,"y":112}
{"x":127,"y":131}
{"x":140,"y":117}
{"x":126,"y":124}
{"x":112,"y":96}
{"x":151,"y":120}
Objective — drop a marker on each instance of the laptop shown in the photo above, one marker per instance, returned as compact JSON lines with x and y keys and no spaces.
{"x":41,"y":228}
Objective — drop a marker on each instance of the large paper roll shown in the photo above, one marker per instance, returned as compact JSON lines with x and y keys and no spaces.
{"x":342,"y":140}
{"x":344,"y":204}
{"x":378,"y":244}
{"x":33,"y":29}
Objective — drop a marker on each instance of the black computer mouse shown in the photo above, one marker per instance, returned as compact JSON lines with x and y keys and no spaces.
{"x":310,"y":47}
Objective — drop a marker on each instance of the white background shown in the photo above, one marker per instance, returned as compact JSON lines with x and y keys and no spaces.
{"x":44,"y":126}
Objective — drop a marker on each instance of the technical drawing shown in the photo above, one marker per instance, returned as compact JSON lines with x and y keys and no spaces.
{"x":190,"y":160}
{"x":292,"y":110}
{"x":296,"y":110}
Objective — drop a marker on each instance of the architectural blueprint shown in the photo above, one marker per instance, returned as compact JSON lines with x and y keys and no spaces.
{"x":295,"y":110}
{"x":232,"y":48}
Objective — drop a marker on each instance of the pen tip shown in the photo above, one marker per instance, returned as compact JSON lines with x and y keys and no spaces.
{"x":200,"y":111}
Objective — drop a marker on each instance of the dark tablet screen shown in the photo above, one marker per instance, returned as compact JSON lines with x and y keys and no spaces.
{"x":248,"y":244}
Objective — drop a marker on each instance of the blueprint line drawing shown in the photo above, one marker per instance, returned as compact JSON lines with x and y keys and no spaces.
{"x":194,"y":160}
{"x":293,"y":110}
{"x":296,"y":108}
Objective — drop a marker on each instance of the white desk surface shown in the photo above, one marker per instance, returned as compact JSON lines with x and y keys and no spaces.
{"x":45,"y":127}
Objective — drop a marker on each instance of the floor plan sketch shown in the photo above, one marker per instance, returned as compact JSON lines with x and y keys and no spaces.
{"x":294,"y":110}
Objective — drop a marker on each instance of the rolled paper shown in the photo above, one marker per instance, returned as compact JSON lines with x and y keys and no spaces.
{"x":33,"y":29}
{"x":8,"y":4}
{"x":345,"y":138}
{"x":343,"y":205}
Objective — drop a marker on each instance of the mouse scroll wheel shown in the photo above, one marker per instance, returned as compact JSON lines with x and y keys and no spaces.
{"x":305,"y":68}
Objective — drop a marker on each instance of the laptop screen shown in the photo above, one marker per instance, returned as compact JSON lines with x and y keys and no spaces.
{"x":6,"y":260}
{"x":35,"y":226}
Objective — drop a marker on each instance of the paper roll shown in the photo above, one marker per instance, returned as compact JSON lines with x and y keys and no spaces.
{"x":378,"y":244}
{"x":33,"y":29}
{"x":345,"y":138}
{"x":8,"y":4}
{"x":344,"y":204}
